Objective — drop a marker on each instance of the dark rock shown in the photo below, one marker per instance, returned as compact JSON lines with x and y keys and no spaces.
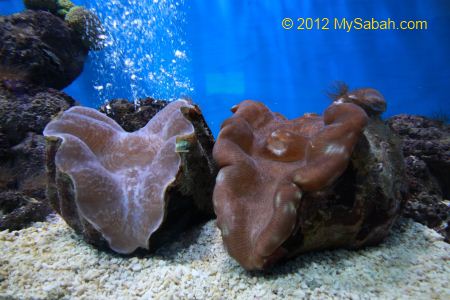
{"x":23,"y":184}
{"x":24,"y":170}
{"x":26,"y":108}
{"x":426,"y":147}
{"x":40,"y":48}
{"x":132,"y":116}
{"x":429,"y":140}
{"x":48,"y":5}
{"x":18,"y":210}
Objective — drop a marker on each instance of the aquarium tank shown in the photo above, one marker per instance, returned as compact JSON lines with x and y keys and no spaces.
{"x":221,"y":52}
{"x":251,"y":149}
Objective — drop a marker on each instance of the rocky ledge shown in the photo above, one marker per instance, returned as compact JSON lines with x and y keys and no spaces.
{"x":426,"y":148}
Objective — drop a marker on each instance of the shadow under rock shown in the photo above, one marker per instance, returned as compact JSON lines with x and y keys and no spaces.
{"x":189,"y":238}
{"x":171,"y":237}
{"x":337,"y":258}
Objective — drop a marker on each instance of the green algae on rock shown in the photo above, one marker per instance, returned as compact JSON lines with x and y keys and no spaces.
{"x":87,"y":25}
{"x":63,"y":7}
{"x":84,"y":22}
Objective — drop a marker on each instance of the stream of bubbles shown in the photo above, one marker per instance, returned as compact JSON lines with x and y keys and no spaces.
{"x":145,"y":53}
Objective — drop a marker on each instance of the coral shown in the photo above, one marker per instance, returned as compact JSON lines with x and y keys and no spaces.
{"x":130,"y":190}
{"x":49,"y":5}
{"x":40,"y":48}
{"x":285,"y":187}
{"x":87,"y":25}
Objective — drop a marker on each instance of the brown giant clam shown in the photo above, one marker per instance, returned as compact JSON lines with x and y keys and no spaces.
{"x":286,"y":187}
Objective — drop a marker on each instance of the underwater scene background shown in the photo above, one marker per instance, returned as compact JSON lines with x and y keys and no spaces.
{"x":221,"y":52}
{"x":112,"y":187}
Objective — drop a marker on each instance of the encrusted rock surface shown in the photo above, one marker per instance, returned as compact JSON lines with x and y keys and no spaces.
{"x":149,"y":184}
{"x":23,"y":169}
{"x":25,"y":109}
{"x":426,"y":147}
{"x":132,"y":116}
{"x":48,"y":261}
{"x":39,"y":47}
{"x":19,"y":210}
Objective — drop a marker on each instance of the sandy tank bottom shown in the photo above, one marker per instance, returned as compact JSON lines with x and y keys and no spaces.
{"x":49,"y":261}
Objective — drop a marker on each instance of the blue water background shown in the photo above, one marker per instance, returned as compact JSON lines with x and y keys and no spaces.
{"x":237,"y":50}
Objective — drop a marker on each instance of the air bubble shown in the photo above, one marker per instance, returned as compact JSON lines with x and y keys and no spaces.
{"x":145,"y":53}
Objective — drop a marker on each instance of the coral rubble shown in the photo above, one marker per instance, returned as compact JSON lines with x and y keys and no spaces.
{"x":130,"y":190}
{"x":288,"y":187}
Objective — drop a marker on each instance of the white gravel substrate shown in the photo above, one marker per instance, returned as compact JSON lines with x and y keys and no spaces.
{"x":48,"y":261}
